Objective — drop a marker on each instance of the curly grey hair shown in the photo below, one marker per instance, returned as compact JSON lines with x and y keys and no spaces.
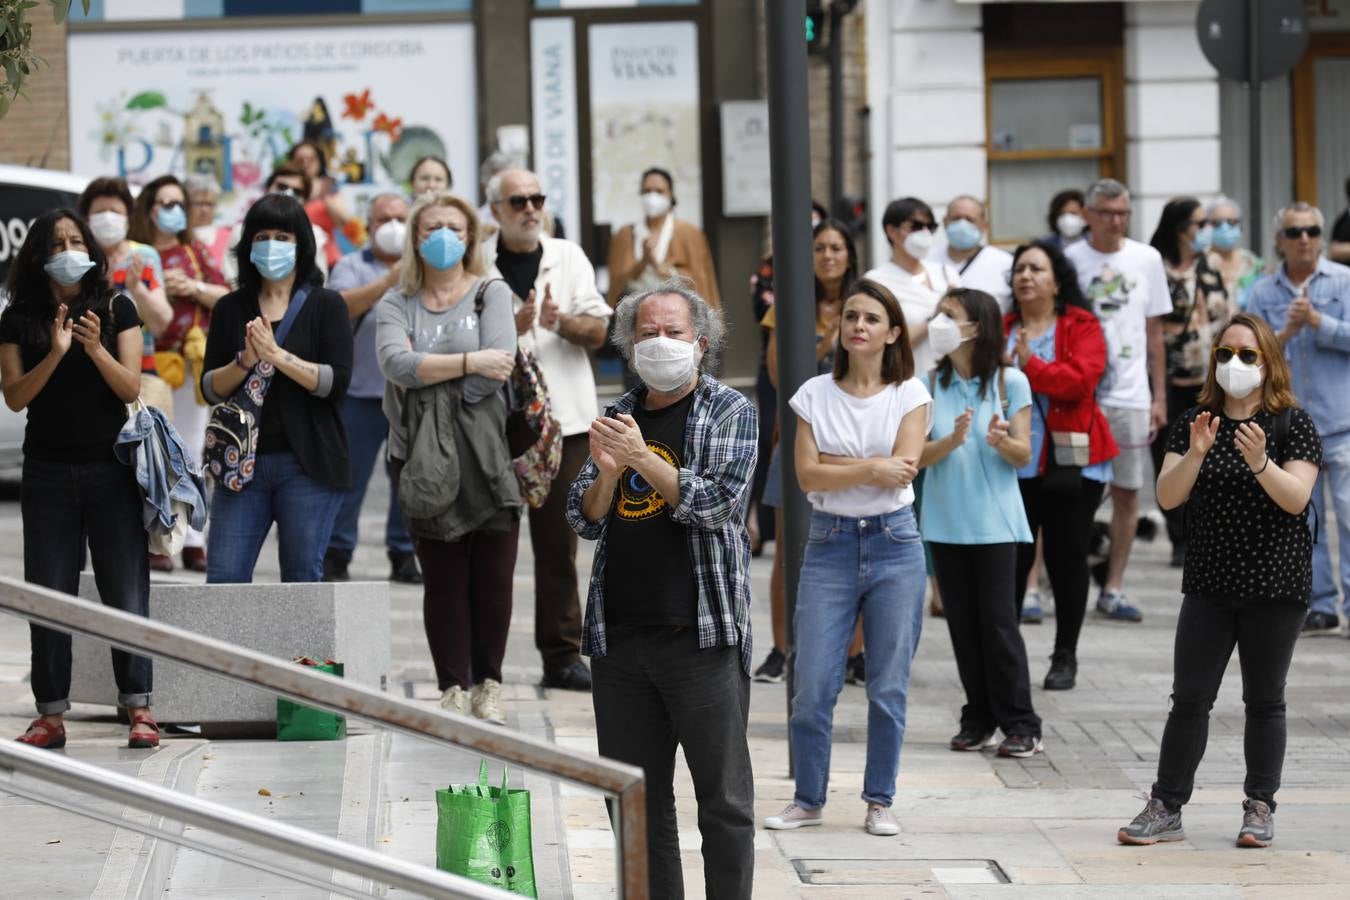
{"x":1107,"y":188}
{"x":707,"y":321}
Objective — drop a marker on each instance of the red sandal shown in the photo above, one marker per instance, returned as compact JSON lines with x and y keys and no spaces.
{"x":143,"y":741}
{"x":44,"y":735}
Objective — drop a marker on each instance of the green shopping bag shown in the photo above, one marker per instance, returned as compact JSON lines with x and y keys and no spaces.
{"x":303,"y":723}
{"x":483,"y":833}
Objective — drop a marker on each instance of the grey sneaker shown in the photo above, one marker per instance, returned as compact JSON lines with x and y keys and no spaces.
{"x":794,"y":816}
{"x":881,"y":821}
{"x":486,"y":702}
{"x":456,"y":700}
{"x":1112,"y":605}
{"x":1156,"y":823}
{"x":1258,"y":824}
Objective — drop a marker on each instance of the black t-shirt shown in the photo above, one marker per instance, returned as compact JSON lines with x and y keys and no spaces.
{"x":1240,"y":545}
{"x":649,"y":576}
{"x":1340,"y":231}
{"x":76,"y":416}
{"x":271,"y":429}
{"x":519,"y":270}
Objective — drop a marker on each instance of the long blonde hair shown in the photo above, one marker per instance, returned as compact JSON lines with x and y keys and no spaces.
{"x":410,"y":279}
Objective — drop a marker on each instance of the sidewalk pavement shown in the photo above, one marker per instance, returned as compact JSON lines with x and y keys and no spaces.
{"x":972,"y":825}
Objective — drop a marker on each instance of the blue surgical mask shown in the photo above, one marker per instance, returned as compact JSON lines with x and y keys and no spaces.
{"x":1203,"y":238}
{"x":274,"y":260}
{"x":68,"y":266}
{"x":442,"y":249}
{"x":963,"y":234}
{"x":1227,"y":236}
{"x":171,"y":219}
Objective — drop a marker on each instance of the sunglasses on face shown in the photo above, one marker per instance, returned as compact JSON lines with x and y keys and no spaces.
{"x":520,"y":201}
{"x":1201,"y":223}
{"x":921,"y":225}
{"x":287,"y":190}
{"x":1248,"y":355}
{"x":1294,"y":232}
{"x":1233,"y":222}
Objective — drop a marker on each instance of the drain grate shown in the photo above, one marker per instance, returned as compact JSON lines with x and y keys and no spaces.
{"x":917,"y":872}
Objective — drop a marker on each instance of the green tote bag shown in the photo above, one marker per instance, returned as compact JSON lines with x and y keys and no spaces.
{"x":483,"y":833}
{"x":303,"y":723}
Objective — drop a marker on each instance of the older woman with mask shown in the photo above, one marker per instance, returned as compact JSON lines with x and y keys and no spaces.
{"x":1237,"y":266}
{"x":202,"y":192}
{"x":659,"y":246}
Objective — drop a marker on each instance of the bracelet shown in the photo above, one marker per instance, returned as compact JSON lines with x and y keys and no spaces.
{"x":1263,"y":465}
{"x":239,"y":360}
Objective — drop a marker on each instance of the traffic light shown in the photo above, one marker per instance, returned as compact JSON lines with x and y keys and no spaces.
{"x":815,"y":26}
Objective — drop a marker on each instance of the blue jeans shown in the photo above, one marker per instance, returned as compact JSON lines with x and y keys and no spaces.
{"x":280,"y":492}
{"x":1335,"y":475}
{"x":367,"y":429}
{"x":871,"y":567}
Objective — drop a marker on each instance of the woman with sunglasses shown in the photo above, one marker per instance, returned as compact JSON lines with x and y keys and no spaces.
{"x":1054,"y":338}
{"x":860,"y":431}
{"x":1244,"y":461}
{"x":1237,"y":266}
{"x":193,"y":286}
{"x":1199,"y":305}
{"x":974,"y":521}
{"x":659,"y":246}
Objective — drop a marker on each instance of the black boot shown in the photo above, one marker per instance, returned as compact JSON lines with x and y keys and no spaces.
{"x":1063,"y":671}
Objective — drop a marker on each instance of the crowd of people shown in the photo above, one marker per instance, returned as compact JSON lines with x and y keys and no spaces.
{"x":972,"y":409}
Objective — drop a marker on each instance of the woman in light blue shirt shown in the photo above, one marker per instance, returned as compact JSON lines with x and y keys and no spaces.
{"x":973,"y":518}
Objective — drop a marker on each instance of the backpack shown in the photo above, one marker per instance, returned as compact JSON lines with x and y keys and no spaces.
{"x":533,"y":435}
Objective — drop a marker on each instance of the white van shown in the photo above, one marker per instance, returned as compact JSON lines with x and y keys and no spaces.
{"x":25,"y":194}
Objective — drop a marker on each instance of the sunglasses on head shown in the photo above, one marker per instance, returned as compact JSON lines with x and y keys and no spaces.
{"x":1294,"y":232}
{"x":917,"y":224}
{"x":1248,"y":355}
{"x":519,"y":201}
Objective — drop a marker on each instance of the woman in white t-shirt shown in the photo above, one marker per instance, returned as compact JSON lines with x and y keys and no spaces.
{"x":860,"y":432}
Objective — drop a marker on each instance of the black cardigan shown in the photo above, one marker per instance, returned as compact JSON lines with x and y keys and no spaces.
{"x":322,"y":334}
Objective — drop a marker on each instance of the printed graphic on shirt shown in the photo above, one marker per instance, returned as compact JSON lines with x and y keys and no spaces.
{"x":1109,"y":293}
{"x":638,"y":500}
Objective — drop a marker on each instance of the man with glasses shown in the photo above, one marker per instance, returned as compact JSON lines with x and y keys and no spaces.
{"x":560,"y":316}
{"x":1307,"y":302}
{"x":1125,"y":281}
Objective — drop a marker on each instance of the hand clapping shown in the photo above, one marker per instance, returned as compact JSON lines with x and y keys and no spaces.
{"x":1204,"y":431}
{"x":259,"y":339}
{"x":1251,"y":443}
{"x":88,"y":330}
{"x":620,"y":440}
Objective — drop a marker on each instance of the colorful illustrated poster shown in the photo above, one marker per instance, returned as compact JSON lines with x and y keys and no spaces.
{"x":644,"y":112}
{"x":231,"y":102}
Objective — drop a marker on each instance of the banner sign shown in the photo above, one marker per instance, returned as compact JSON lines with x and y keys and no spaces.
{"x":553,"y":79}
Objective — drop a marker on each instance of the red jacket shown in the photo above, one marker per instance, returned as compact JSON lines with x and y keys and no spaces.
{"x":1070,"y":382}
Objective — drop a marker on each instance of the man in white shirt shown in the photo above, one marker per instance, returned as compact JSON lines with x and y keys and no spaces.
{"x":917,"y":282}
{"x":967,"y":250}
{"x":1127,"y":286}
{"x":560,"y":316}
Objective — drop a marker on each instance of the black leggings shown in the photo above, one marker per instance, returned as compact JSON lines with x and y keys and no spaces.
{"x":1066,"y":529}
{"x":1207,"y":630}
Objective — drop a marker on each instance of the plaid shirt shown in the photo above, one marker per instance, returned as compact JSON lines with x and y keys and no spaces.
{"x":721,"y":441}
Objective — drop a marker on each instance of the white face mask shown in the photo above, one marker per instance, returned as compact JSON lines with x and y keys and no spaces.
{"x":655,"y":204}
{"x":918,"y":242}
{"x":1237,"y":378}
{"x":389,"y":237}
{"x":109,"y":227}
{"x":664,"y":364}
{"x":944,"y":334}
{"x":1070,"y":225}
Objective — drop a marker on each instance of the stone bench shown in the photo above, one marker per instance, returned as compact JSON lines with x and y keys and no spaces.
{"x":347,"y":622}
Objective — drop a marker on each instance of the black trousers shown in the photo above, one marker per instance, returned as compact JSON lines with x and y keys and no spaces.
{"x":1207,"y":630}
{"x":1179,"y":399}
{"x":1066,"y":530}
{"x":655,"y":689}
{"x":557,"y":604}
{"x":61,"y":503}
{"x":980,"y":607}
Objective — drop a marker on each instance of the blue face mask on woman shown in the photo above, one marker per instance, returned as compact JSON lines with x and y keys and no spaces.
{"x":1203,"y":238}
{"x":171,"y":219}
{"x":68,"y":267}
{"x":1227,"y":235}
{"x":274,"y":260}
{"x":442,"y":249}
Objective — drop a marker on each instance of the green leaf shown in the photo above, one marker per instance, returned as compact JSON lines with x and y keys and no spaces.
{"x":147,"y":100}
{"x":61,"y":9}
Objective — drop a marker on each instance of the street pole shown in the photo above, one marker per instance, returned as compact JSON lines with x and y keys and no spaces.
{"x":836,"y":108}
{"x":793,"y":275}
{"x":1254,"y":221}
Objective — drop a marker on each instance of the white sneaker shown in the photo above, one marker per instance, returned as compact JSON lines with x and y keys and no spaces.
{"x":880,"y":821}
{"x":456,"y":700}
{"x":486,"y":701}
{"x":794,"y":816}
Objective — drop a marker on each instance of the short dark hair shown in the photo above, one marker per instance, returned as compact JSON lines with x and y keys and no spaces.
{"x":899,"y":211}
{"x":1070,"y":293}
{"x":670,"y":180}
{"x":432,"y":158}
{"x":284,"y":214}
{"x":897,"y":361}
{"x":291,"y":170}
{"x":987,"y":349}
{"x":1057,"y":204}
{"x":31,"y":303}
{"x":143,"y":227}
{"x":107,"y":186}
{"x":1175,"y":218}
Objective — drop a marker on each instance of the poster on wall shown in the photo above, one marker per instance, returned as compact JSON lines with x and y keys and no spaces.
{"x":231,"y":102}
{"x":644,"y":94}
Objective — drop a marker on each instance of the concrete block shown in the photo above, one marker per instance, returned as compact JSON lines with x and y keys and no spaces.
{"x":1164,"y":53}
{"x":932,"y":14}
{"x":1172,"y":109}
{"x":937,"y":59}
{"x":1165,"y":168}
{"x":937,"y":118}
{"x":935,"y":173}
{"x":347,"y":622}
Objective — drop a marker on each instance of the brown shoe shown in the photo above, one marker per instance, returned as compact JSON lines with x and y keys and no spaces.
{"x":161,"y":563}
{"x":44,"y":735}
{"x":194,"y":559}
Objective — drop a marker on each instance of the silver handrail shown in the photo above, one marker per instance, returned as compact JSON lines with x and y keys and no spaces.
{"x":144,"y":636}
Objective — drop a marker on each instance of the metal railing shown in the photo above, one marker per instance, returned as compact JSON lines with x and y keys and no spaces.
{"x":144,"y":636}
